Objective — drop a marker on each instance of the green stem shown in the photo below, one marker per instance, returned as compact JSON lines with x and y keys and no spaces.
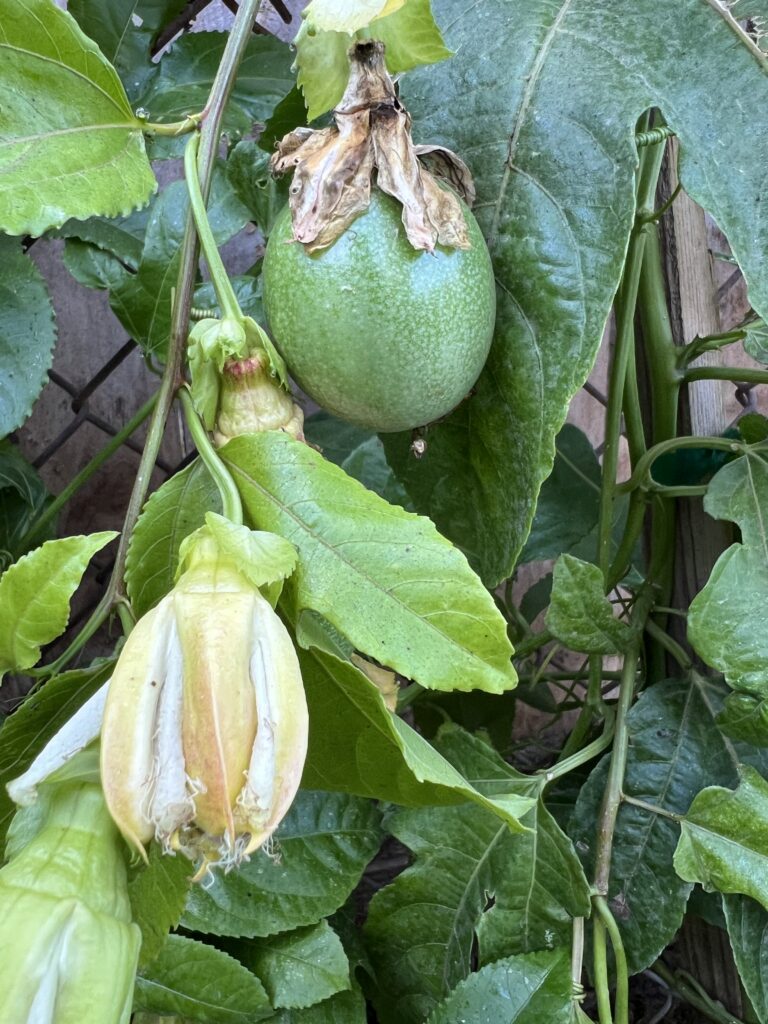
{"x":709,"y":343}
{"x":533,"y":643}
{"x":225,"y":293}
{"x":174,"y":128}
{"x":651,"y":808}
{"x":736,"y":374}
{"x":621,"y":1003}
{"x":221,"y":88}
{"x":600,"y":971}
{"x":641,"y":475}
{"x":663,"y":638}
{"x":85,"y":474}
{"x":232,"y":507}
{"x":681,"y":984}
{"x":614,"y":783}
{"x":576,"y":760}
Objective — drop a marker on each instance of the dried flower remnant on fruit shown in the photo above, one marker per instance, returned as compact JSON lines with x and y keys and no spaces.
{"x":369,"y":146}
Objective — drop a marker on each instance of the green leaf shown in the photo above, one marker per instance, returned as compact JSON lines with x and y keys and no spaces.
{"x":569,"y":503}
{"x":745,"y":717}
{"x":158,"y":894}
{"x":747,"y":924}
{"x":184,"y":77}
{"x":121,"y":237}
{"x":527,"y":989}
{"x":250,"y":177}
{"x":756,"y":341}
{"x":335,"y":438}
{"x":346,"y":15}
{"x":35,"y":593}
{"x":92,"y":267}
{"x":549,"y":139}
{"x":301,"y":967}
{"x":344,"y":1008}
{"x":411,"y":37}
{"x":356,"y":745}
{"x":725,"y":622}
{"x":384,"y":577}
{"x":674,"y":748}
{"x":724,"y":838}
{"x":142,"y":301}
{"x":286,"y":890}
{"x":580,"y":615}
{"x":200,"y":983}
{"x":421,"y":947}
{"x":368,"y":464}
{"x":27,"y":332}
{"x":174,"y":511}
{"x":289,"y":113}
{"x":24,"y":733}
{"x":322,"y":68}
{"x":70,"y":145}
{"x":113,"y":25}
{"x":23,"y":498}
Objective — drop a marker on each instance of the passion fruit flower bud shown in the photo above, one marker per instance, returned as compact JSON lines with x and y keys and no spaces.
{"x":204,"y":728}
{"x":249,"y":402}
{"x":69,"y":949}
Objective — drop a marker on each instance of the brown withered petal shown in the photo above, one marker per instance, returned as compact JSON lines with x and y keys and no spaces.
{"x":334,"y":168}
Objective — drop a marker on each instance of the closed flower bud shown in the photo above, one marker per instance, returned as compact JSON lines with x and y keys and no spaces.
{"x":251,"y":400}
{"x":68,"y":949}
{"x":204,"y":734}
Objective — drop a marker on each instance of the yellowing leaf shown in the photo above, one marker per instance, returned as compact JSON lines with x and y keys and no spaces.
{"x":348,"y":15}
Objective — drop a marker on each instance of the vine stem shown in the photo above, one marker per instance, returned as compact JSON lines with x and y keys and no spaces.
{"x":232,"y":506}
{"x":172,"y":379}
{"x":607,"y":920}
{"x":736,"y":374}
{"x":641,"y":475}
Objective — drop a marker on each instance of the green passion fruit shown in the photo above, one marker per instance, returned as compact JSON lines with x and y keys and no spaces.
{"x":381,"y":334}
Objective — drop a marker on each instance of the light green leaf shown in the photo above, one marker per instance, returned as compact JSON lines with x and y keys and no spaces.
{"x":527,"y":989}
{"x":173,"y":512}
{"x":356,"y":745}
{"x":756,"y":341}
{"x":35,"y":594}
{"x":344,"y":1008}
{"x":745,"y":717}
{"x":184,"y":77}
{"x":420,"y":947}
{"x":261,"y":557}
{"x":724,"y":839}
{"x":70,"y":145}
{"x":569,"y":503}
{"x":27,"y":332}
{"x":285,"y":890}
{"x":158,"y":893}
{"x":580,"y":615}
{"x":549,"y":138}
{"x":302,"y":967}
{"x":24,"y":733}
{"x":747,"y":924}
{"x":322,"y":68}
{"x":200,"y":983}
{"x":410,"y":35}
{"x":384,"y":577}
{"x":674,"y":749}
{"x":347,"y":15}
{"x":725,"y":621}
{"x":142,"y":301}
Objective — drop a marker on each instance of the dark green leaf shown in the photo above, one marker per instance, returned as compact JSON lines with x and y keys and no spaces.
{"x":747,"y":924}
{"x":420,"y":945}
{"x":756,"y":341}
{"x":745,"y":717}
{"x":158,"y":893}
{"x":528,"y":989}
{"x":569,"y":503}
{"x":320,"y":851}
{"x":549,"y":139}
{"x":72,"y":146}
{"x":368,"y":464}
{"x":248,"y":292}
{"x":93,"y":267}
{"x":24,"y":733}
{"x":357,"y":745}
{"x":335,"y":438}
{"x":344,"y":1008}
{"x":289,"y":113}
{"x":121,"y":237}
{"x":23,"y":497}
{"x":200,"y":983}
{"x":184,"y":77}
{"x":173,"y":512}
{"x":385,"y":578}
{"x":302,"y":967}
{"x":724,"y":838}
{"x":250,"y":177}
{"x":674,"y":749}
{"x":142,"y":301}
{"x":27,"y":334}
{"x":580,"y":615}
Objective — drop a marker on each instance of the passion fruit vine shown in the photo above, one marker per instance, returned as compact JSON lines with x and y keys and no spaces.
{"x":382,"y":305}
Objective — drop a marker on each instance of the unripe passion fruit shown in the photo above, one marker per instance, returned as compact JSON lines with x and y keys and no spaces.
{"x":375,"y":331}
